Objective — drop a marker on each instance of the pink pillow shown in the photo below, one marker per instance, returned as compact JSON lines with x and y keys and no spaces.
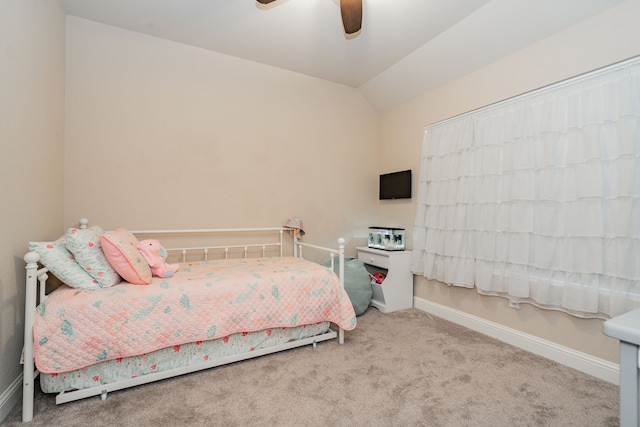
{"x":119,"y":248}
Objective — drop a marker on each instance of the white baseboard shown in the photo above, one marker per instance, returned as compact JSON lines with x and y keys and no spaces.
{"x":583,"y":362}
{"x":10,"y":397}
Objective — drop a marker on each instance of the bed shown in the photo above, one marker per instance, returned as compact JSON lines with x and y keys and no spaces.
{"x":100,"y":331}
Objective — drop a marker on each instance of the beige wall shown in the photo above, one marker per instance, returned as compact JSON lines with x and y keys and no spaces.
{"x":31,"y":154}
{"x":165,"y":135}
{"x":602,"y":40}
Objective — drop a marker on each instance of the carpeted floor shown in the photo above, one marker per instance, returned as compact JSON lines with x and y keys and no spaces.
{"x":406,"y":368}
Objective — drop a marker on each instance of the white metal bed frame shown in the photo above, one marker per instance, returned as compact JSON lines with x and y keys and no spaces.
{"x":35,"y":293}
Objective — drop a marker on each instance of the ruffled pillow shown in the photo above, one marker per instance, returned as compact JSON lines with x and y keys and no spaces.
{"x":119,"y":247}
{"x":86,"y":248}
{"x":61,"y":263}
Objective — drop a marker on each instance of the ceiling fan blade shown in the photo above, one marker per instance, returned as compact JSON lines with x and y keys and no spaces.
{"x":351,"y":11}
{"x":265,"y":1}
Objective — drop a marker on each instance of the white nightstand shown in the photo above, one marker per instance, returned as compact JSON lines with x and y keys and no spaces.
{"x":396,"y":291}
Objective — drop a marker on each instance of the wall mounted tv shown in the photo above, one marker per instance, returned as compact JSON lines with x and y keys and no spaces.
{"x":395,"y":185}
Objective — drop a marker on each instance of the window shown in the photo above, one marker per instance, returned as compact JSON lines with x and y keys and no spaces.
{"x":537,"y":198}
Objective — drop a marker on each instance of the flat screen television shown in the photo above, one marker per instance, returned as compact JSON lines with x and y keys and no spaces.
{"x":395,"y":185}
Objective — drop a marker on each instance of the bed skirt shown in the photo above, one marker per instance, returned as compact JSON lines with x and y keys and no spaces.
{"x":190,"y":354}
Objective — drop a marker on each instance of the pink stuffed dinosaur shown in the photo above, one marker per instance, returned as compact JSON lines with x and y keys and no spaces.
{"x":156,"y":256}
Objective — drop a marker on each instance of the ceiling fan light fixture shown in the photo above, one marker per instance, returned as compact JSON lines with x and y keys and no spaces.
{"x":351,"y":11}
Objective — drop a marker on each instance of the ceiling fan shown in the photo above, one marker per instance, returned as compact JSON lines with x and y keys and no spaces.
{"x":351,"y":11}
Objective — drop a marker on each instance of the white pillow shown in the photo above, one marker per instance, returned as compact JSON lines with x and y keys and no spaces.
{"x":61,"y":263}
{"x":85,"y":246}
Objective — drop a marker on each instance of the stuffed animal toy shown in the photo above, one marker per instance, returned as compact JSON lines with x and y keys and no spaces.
{"x":378,"y":278}
{"x":156,"y":257}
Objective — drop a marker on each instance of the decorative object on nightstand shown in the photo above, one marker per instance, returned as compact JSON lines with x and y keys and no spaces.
{"x":393,"y":270}
{"x":389,"y":239}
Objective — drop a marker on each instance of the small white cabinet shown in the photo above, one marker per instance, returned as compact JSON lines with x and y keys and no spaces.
{"x":396,"y":291}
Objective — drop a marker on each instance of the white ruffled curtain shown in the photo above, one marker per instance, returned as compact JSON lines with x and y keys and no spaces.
{"x":537,"y":198}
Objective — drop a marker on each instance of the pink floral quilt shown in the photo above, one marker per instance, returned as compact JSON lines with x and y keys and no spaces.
{"x":202,"y":301}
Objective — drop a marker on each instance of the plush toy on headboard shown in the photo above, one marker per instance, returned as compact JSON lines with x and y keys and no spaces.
{"x":156,"y":257}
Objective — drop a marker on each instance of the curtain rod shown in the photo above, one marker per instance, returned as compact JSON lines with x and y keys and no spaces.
{"x":542,"y":89}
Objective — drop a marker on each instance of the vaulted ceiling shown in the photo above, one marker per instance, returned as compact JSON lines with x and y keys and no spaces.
{"x":405,"y":47}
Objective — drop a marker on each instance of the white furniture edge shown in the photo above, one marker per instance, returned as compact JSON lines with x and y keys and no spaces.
{"x":626,"y":329}
{"x":594,"y":366}
{"x":36,"y":278}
